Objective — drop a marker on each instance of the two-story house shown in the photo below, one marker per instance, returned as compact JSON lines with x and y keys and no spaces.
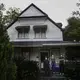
{"x":36,"y":36}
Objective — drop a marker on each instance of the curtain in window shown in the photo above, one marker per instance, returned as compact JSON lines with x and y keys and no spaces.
{"x":20,"y":35}
{"x":26,"y":35}
{"x":43,"y":35}
{"x":37,"y":35}
{"x":23,"y":31}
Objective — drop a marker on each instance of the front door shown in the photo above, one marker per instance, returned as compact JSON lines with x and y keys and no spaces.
{"x":43,"y":56}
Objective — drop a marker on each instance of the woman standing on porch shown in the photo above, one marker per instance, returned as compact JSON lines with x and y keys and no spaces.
{"x":53,"y":64}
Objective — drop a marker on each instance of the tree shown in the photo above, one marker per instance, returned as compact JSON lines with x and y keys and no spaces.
{"x":11,"y":15}
{"x":7,"y":66}
{"x":72,"y":30}
{"x":77,"y":12}
{"x":72,"y":33}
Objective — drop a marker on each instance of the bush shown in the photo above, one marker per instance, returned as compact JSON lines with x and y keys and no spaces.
{"x":72,"y":70}
{"x":27,"y":70}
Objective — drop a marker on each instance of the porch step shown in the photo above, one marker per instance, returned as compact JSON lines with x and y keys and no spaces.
{"x":52,"y":78}
{"x":42,"y":73}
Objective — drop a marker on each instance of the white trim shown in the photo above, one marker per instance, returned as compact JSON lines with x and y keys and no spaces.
{"x":22,"y":40}
{"x":62,"y":44}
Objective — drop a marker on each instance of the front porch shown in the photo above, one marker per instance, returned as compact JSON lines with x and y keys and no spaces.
{"x":37,"y":51}
{"x":38,"y":54}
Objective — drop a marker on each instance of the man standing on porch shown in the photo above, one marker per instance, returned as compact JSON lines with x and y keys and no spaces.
{"x":46,"y":67}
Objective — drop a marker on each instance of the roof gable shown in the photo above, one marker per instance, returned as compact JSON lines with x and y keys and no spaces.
{"x":32,"y":10}
{"x":39,"y":14}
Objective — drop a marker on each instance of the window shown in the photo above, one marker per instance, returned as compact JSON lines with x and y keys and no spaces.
{"x":23,"y":35}
{"x":40,"y":31}
{"x":43,"y":35}
{"x":23,"y":31}
{"x":26,"y":35}
{"x":37,"y":35}
{"x":40,"y":35}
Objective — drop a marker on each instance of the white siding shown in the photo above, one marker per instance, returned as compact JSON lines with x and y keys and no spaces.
{"x":32,"y":11}
{"x":52,"y":33}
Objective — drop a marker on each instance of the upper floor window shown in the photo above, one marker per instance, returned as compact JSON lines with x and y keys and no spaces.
{"x":23,"y":31}
{"x":23,"y":35}
{"x":40,"y":31}
{"x":40,"y":35}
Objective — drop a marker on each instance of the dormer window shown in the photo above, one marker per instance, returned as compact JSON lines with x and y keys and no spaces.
{"x":40,"y":31}
{"x":23,"y":31}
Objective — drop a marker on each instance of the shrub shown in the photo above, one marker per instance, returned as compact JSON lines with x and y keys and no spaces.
{"x":72,"y":70}
{"x":27,"y":70}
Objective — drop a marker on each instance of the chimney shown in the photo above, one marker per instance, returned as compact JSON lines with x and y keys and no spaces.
{"x":59,"y":24}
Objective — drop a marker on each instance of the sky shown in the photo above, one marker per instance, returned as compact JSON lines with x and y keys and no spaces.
{"x":57,"y":10}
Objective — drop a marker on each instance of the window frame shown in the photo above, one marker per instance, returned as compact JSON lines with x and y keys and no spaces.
{"x":40,"y":30}
{"x":40,"y":35}
{"x":22,"y":32}
{"x":23,"y":35}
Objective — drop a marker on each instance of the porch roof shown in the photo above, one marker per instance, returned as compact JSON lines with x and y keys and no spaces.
{"x":43,"y":43}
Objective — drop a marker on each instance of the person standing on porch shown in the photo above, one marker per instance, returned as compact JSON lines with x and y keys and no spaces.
{"x":53,"y":63}
{"x":46,"y":67}
{"x":53,"y":66}
{"x":61,"y":66}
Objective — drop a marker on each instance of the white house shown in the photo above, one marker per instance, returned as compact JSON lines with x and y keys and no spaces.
{"x":36,"y":36}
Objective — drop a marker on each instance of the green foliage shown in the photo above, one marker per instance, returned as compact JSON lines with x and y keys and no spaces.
{"x":77,"y":12}
{"x":72,"y":30}
{"x":7,"y":66}
{"x":72,"y":66}
{"x":73,"y":53}
{"x":6,"y":56}
{"x":26,"y":70}
{"x":11,"y":15}
{"x":72,"y":70}
{"x":2,"y":8}
{"x":11,"y":71}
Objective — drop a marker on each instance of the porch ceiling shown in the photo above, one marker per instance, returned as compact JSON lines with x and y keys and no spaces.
{"x":43,"y":43}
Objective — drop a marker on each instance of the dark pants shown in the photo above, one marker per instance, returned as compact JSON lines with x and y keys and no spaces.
{"x":61,"y":69}
{"x":47,"y":71}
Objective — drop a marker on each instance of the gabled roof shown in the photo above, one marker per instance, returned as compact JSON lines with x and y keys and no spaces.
{"x":45,"y":15}
{"x":34,"y":7}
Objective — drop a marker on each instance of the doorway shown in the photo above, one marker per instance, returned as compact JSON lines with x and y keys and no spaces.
{"x":43,"y":55}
